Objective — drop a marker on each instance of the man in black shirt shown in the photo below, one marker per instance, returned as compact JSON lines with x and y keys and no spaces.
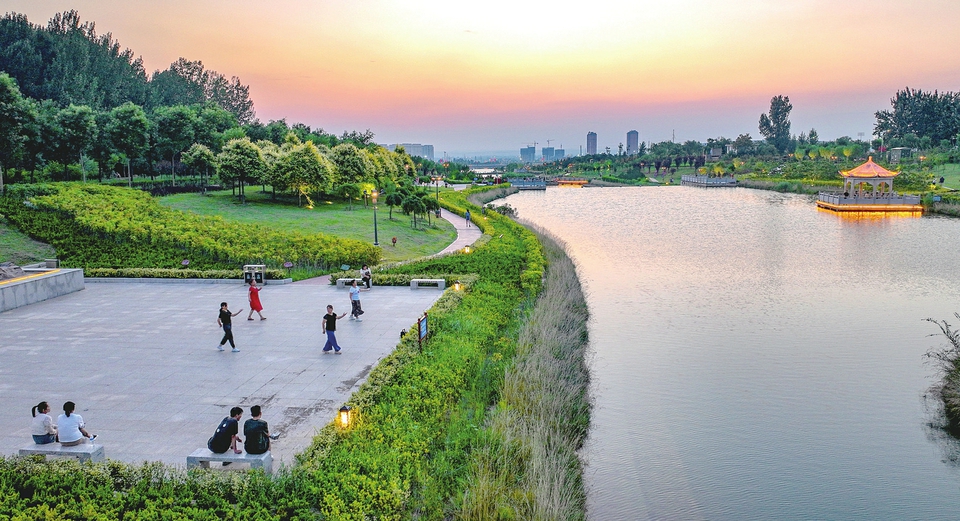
{"x":257,"y":433}
{"x":226,"y":435}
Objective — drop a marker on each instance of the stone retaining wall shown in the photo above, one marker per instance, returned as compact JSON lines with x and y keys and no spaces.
{"x":38,"y":285}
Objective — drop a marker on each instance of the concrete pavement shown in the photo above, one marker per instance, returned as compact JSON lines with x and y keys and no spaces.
{"x":141,"y":364}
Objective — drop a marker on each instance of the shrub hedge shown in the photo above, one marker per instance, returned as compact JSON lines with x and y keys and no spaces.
{"x":169,"y":273}
{"x":108,"y":227}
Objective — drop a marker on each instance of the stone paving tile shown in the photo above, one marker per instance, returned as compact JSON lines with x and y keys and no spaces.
{"x":141,"y":364}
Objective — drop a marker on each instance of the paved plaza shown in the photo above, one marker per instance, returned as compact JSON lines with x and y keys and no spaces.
{"x":140,"y":361}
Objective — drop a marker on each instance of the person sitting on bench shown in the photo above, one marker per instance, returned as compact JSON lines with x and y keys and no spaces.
{"x":71,"y":427}
{"x":44,"y":431}
{"x":226,"y":435}
{"x":257,"y":433}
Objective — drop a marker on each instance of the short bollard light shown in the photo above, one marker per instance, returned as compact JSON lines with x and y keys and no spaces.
{"x":456,"y":286}
{"x":344,"y":416}
{"x":466,"y":249}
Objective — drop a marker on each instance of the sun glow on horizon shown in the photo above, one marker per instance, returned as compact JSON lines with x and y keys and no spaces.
{"x":409,"y":68}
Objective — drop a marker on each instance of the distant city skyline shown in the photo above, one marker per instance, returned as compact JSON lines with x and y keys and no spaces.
{"x":492,"y":76}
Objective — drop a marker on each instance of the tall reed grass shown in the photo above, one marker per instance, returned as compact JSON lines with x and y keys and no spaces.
{"x":529,"y":468}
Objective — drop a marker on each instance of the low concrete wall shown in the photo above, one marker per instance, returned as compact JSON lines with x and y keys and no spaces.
{"x":39,"y":285}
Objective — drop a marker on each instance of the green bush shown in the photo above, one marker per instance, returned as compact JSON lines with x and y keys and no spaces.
{"x":109,"y":227}
{"x":167,"y":273}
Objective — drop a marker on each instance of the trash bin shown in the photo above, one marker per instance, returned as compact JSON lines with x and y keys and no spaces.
{"x":254,"y":273}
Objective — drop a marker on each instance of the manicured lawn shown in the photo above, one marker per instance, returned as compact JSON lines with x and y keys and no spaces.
{"x":950,"y":173}
{"x":20,"y":249}
{"x":334,"y":219}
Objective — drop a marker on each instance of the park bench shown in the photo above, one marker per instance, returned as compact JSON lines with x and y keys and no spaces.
{"x":344,"y":282}
{"x":202,"y":458}
{"x":84,"y":452}
{"x":428,"y":283}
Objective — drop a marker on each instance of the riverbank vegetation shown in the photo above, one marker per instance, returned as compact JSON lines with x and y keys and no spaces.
{"x":946,"y":361}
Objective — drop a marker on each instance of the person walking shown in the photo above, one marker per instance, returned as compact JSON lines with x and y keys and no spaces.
{"x":355,"y":309}
{"x":466,"y":216}
{"x":253,"y":296}
{"x":329,"y":327}
{"x":224,"y":321}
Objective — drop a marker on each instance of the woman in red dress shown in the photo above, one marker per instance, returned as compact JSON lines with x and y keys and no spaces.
{"x":255,"y":304}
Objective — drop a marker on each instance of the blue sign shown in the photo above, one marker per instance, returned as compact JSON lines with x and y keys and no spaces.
{"x":422,"y":326}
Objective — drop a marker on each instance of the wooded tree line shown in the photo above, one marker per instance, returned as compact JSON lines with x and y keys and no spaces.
{"x":67,"y":62}
{"x":917,"y":115}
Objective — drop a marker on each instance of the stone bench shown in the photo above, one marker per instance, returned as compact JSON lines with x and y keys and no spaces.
{"x":345,"y":282}
{"x":202,"y":458}
{"x":428,"y":283}
{"x":83,"y":452}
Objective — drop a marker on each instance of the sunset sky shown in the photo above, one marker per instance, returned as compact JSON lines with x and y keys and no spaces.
{"x":473,"y":77}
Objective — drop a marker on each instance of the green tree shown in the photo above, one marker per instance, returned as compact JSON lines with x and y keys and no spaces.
{"x":775,"y":127}
{"x":78,"y":131}
{"x":238,"y":161}
{"x":18,"y":118}
{"x":128,"y":131}
{"x":175,"y":131}
{"x":352,"y":164}
{"x":201,"y":159}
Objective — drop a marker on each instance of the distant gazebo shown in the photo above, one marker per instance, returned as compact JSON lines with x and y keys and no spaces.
{"x":877,"y":177}
{"x":879,"y":198}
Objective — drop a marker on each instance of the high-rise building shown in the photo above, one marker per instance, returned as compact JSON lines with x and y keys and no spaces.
{"x":633,"y":142}
{"x":547,"y":153}
{"x":414,"y":149}
{"x":591,"y":143}
{"x":528,"y":154}
{"x":559,"y":154}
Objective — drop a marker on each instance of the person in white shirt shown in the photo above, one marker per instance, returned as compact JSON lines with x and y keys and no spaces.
{"x":43,"y":429}
{"x":355,"y":309}
{"x":366,"y":276}
{"x":71,"y":427}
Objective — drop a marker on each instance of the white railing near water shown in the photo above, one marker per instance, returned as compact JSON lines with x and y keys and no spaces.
{"x":885,"y":199}
{"x":704,"y":180}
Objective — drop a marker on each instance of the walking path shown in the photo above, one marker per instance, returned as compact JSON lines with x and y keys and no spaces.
{"x":140,"y":362}
{"x":466,"y":235}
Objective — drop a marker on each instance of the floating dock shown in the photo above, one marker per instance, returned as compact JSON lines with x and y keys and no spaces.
{"x":705,"y":180}
{"x":576,"y":183}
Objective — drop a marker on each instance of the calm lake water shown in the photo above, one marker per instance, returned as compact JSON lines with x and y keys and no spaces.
{"x":755,"y":358}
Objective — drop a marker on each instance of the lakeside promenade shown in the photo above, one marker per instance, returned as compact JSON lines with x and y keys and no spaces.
{"x":140,"y":361}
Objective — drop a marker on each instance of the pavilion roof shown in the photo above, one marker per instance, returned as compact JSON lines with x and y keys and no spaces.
{"x":869,"y":169}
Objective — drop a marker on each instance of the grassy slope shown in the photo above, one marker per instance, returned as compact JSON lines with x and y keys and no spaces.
{"x":334,"y":219}
{"x":20,"y":249}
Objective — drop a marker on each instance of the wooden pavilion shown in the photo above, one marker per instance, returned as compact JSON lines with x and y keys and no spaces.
{"x":869,"y":188}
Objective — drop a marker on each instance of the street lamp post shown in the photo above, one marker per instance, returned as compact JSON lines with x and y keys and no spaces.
{"x":437,"y":181}
{"x":376,"y":238}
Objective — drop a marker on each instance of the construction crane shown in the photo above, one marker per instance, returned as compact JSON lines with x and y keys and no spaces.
{"x":549,"y":140}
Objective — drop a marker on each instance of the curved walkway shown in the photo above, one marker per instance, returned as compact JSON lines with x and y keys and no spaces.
{"x":466,"y":235}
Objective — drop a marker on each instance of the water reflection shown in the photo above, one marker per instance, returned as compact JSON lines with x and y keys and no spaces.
{"x":754,"y":358}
